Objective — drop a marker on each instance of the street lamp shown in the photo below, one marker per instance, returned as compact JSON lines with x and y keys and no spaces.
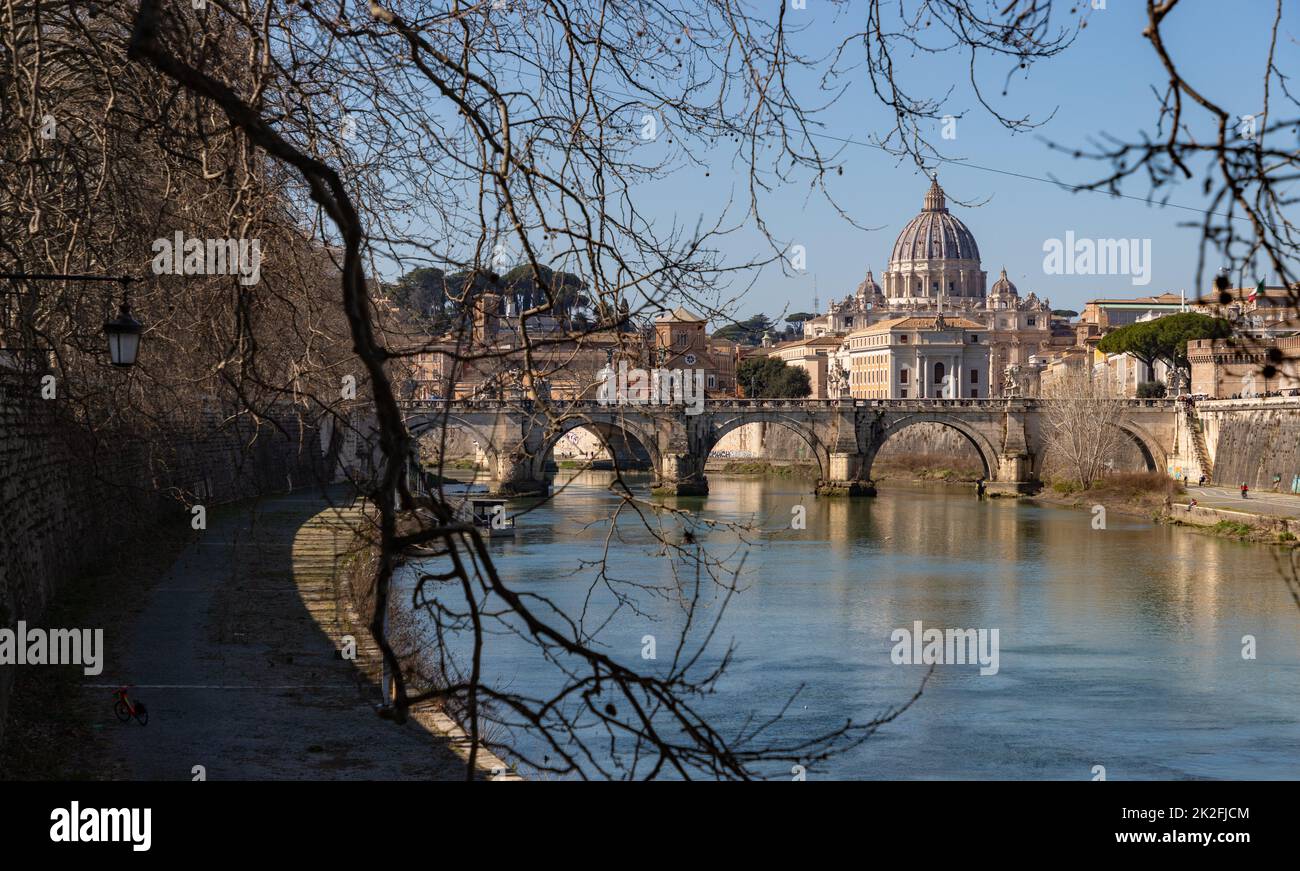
{"x":123,"y":332}
{"x":123,"y":336}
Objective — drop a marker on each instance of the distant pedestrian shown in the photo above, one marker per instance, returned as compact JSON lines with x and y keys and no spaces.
{"x":1277,"y":482}
{"x":1201,"y":481}
{"x":1244,"y":489}
{"x":1191,"y":505}
{"x":979,"y":488}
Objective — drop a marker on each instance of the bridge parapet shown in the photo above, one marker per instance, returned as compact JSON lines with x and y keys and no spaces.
{"x":529,"y":406}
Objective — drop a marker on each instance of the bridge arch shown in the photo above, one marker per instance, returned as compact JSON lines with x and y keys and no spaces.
{"x":616,"y":432}
{"x":1152,"y":453}
{"x":983,"y":445}
{"x":1149,"y":448}
{"x":806,"y":430}
{"x":425,"y":425}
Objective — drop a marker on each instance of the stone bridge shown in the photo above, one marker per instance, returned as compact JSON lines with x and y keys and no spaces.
{"x":843,"y":435}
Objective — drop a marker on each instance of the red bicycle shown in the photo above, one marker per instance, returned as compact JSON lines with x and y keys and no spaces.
{"x":126,"y":709}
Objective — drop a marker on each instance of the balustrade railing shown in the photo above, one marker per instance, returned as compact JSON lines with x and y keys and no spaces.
{"x":527,"y":405}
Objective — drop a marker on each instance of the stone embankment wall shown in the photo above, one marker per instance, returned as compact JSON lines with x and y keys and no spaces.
{"x":455,"y":443}
{"x":67,"y":498}
{"x":932,"y":439}
{"x":763,"y":441}
{"x":1252,"y":440}
{"x":1267,"y":525}
{"x":780,"y":444}
{"x":459,"y":445}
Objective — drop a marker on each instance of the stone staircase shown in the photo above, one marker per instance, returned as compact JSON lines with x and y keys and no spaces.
{"x":1195,"y":431}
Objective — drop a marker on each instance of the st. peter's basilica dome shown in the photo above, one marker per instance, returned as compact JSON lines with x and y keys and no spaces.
{"x":935,"y":256}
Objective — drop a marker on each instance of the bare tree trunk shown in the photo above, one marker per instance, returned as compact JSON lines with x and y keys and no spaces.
{"x":1083,"y":425}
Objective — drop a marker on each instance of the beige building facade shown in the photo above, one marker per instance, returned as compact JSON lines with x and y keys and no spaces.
{"x":919,"y":358}
{"x":815,"y":356}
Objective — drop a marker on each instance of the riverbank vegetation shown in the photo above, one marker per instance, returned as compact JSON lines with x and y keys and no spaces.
{"x":927,"y":467}
{"x":774,"y":470}
{"x":1131,"y":492}
{"x":1263,"y":532}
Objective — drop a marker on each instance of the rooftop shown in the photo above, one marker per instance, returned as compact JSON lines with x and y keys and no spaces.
{"x":1275,"y":295}
{"x":818,"y":341}
{"x":1167,"y":298}
{"x":680,"y":314}
{"x":917,"y":322}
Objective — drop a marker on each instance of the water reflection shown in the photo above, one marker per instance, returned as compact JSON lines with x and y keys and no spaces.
{"x":1119,"y":647}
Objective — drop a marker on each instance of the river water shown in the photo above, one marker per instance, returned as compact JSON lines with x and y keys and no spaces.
{"x":1118,"y":647}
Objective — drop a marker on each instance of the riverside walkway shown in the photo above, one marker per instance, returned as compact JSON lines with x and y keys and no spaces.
{"x":1264,"y":502}
{"x":235,"y":655}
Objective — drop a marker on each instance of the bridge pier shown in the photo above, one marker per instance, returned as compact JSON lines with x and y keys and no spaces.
{"x":521,"y":487}
{"x":846,"y":488}
{"x":844,"y":476}
{"x":518,"y":476}
{"x":1014,"y":476}
{"x":681,"y":475}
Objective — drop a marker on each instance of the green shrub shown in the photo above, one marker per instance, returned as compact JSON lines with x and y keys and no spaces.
{"x":1233,"y":528}
{"x":762,"y":467}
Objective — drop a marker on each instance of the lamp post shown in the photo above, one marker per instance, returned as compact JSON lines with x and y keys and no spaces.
{"x":123,"y":336}
{"x":123,"y":332}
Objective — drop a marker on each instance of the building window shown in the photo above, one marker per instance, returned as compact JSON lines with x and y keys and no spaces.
{"x":938,"y":373}
{"x":903,"y":339}
{"x":902,"y":394}
{"x":713,"y":381}
{"x":1031,"y":321}
{"x":902,"y":376}
{"x":681,"y":338}
{"x":974,"y":393}
{"x":974,"y":376}
{"x":974,"y":338}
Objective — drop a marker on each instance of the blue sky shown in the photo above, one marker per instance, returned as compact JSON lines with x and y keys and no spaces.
{"x":1103,"y":83}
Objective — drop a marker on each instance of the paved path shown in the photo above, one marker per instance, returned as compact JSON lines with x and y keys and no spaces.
{"x":235,"y":655}
{"x":1229,"y":498}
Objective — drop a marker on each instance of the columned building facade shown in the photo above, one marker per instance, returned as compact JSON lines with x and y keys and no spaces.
{"x":919,"y":357}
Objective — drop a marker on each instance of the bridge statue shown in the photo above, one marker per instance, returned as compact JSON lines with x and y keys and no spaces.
{"x":843,"y":436}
